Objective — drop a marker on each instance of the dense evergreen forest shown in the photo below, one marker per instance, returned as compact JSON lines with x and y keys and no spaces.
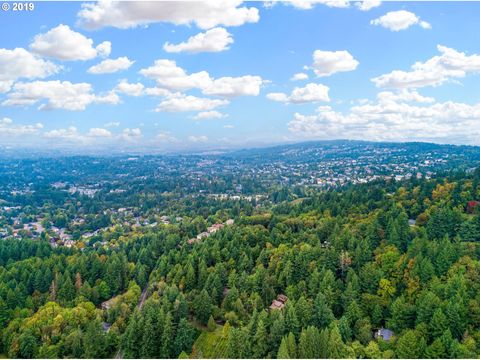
{"x":402,"y":257}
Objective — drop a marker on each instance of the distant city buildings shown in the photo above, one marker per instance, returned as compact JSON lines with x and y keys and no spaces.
{"x":127,"y":191}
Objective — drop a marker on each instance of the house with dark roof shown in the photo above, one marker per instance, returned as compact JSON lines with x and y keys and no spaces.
{"x":385,"y":334}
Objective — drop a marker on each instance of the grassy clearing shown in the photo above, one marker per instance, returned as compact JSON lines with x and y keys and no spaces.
{"x":210,"y":345}
{"x":298,"y":201}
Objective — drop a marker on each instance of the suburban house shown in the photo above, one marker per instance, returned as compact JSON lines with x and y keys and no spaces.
{"x":385,"y":334}
{"x":279,"y":302}
{"x":202,"y":235}
{"x":471,"y":206}
{"x":214,"y":228}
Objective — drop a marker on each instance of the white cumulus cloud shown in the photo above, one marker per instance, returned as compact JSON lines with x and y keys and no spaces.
{"x":94,"y":136}
{"x":182,"y":102}
{"x":213,"y":40}
{"x":309,"y":4}
{"x":56,"y":94}
{"x":167,"y":74}
{"x":212,"y":114}
{"x":399,"y":20}
{"x":71,"y":133}
{"x":131,"y":135}
{"x":404,"y":95}
{"x":400,"y":116}
{"x":104,"y":49}
{"x":128,"y":14}
{"x":99,"y":133}
{"x":299,"y":76}
{"x":157,"y":91}
{"x":234,"y":86}
{"x":309,"y":93}
{"x":170,"y":76}
{"x":326,"y":63}
{"x":367,"y":5}
{"x":109,"y":66}
{"x":19,"y":63}
{"x":8,"y":128}
{"x":130,"y":89}
{"x":63,"y":43}
{"x":450,"y":64}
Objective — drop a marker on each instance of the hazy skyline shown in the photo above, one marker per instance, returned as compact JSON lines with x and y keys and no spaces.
{"x":206,"y":75}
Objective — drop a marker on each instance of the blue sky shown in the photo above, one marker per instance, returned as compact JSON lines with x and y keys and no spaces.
{"x":100,"y":76}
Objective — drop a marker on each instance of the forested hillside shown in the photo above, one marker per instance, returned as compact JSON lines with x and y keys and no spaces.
{"x":399,"y":257}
